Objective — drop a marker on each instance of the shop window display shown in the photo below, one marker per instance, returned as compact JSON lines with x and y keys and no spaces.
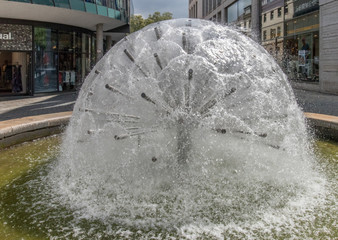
{"x":46,"y":59}
{"x":303,"y":57}
{"x":302,"y":47}
{"x":63,"y":59}
{"x":11,"y":77}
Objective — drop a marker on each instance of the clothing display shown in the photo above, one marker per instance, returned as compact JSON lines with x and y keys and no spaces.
{"x":16,"y":79}
{"x":11,"y":78}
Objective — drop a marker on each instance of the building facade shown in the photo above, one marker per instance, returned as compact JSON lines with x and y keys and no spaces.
{"x":328,"y":44}
{"x":237,"y":12}
{"x":301,"y":34}
{"x":51,"y":45}
{"x":273,"y":17}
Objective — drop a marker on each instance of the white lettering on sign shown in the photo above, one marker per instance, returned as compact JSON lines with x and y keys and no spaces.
{"x":6,"y":36}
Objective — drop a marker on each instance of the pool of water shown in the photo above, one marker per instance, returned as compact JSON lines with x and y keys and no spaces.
{"x":29,"y":210}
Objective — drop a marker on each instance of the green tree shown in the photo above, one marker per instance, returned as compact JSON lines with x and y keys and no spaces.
{"x":40,"y":37}
{"x":137,"y":22}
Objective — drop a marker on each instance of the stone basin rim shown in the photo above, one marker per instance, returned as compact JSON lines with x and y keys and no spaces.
{"x":24,"y":129}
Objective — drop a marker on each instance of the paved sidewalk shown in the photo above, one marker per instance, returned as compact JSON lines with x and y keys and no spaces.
{"x":316,"y":102}
{"x":18,"y":107}
{"x":24,"y":106}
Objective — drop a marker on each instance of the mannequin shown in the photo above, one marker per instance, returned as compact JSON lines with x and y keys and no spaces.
{"x":16,"y":80}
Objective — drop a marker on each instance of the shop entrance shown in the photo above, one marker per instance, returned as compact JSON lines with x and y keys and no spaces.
{"x":15,"y":72}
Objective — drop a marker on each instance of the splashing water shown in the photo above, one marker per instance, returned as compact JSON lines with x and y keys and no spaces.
{"x":188,"y":127}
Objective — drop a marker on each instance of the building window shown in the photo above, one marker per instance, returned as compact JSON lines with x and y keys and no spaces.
{"x":219,"y":16}
{"x":46,"y":60}
{"x":264,"y":35}
{"x":279,"y":12}
{"x":196,"y":10}
{"x":238,"y":9}
{"x":232,"y":13}
{"x":272,"y":33}
{"x":279,"y":32}
{"x":286,"y":9}
{"x":271,"y":15}
{"x":264,"y":17}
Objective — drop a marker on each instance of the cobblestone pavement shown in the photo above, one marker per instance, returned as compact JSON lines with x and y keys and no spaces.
{"x":17,"y":107}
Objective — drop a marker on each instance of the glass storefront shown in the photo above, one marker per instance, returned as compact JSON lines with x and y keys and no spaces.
{"x":302,"y":47}
{"x":46,"y":60}
{"x":62,"y":59}
{"x":15,"y":59}
{"x":36,"y":59}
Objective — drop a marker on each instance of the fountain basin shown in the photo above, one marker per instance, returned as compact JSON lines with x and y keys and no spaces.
{"x":20,"y":130}
{"x":28,"y":211}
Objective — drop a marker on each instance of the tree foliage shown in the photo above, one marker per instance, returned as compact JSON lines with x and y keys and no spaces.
{"x":137,"y":22}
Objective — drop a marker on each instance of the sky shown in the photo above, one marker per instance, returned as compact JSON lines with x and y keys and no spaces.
{"x":179,"y":8}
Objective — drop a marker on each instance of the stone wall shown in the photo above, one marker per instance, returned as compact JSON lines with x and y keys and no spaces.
{"x":328,"y":64}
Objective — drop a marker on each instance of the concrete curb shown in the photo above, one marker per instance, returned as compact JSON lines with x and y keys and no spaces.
{"x":325,"y":126}
{"x":28,"y":128}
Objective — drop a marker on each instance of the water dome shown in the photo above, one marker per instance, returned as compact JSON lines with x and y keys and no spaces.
{"x":190,"y":127}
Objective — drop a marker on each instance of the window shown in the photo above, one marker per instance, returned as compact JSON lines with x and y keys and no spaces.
{"x":264,"y":17}
{"x":242,"y":4}
{"x":237,"y":9}
{"x":46,"y":59}
{"x":279,"y":31}
{"x":232,"y":13}
{"x":279,"y":12}
{"x":264,"y":35}
{"x":61,"y":3}
{"x":219,"y":17}
{"x":272,"y":33}
{"x":271,"y":15}
{"x":286,"y":9}
{"x":44,"y":2}
{"x":102,"y":2}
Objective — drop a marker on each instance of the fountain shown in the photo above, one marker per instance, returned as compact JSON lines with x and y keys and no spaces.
{"x":185,"y":129}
